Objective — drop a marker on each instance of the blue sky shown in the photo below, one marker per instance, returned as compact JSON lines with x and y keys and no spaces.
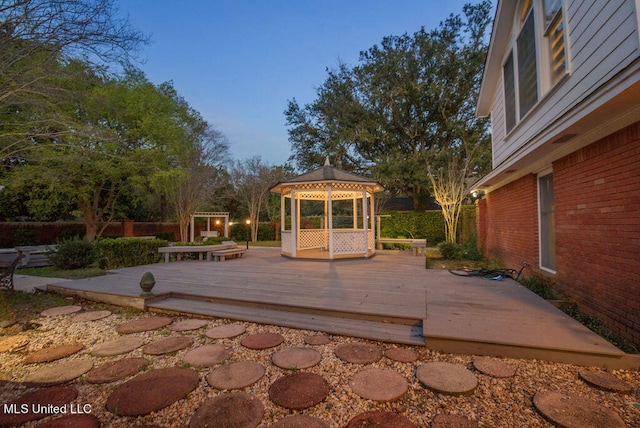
{"x":238,"y":62}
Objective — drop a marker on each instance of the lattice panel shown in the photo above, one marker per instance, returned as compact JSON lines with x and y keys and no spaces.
{"x":313,"y":238}
{"x":349,"y":242}
{"x":286,"y":241}
{"x":372,"y":240}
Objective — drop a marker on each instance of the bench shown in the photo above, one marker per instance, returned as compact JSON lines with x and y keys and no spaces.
{"x":222,"y":255}
{"x":6,"y":273}
{"x":35,"y":255}
{"x":417,"y":245}
{"x":179,"y":250}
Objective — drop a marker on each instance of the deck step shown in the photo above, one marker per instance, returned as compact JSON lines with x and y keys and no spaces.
{"x":332,"y":322}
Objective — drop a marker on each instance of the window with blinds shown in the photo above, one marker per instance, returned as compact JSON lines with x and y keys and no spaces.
{"x":554,"y":32}
{"x":527,"y":66}
{"x":509,"y":94}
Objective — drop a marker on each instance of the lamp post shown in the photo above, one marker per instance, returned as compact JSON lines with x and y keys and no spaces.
{"x":248,"y":226}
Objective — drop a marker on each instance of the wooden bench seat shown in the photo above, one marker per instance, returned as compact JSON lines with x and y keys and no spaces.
{"x":221,"y":255}
{"x":416,"y":244}
{"x":179,"y":250}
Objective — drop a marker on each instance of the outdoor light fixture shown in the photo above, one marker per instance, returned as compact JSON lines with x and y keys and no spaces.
{"x":248,"y":224}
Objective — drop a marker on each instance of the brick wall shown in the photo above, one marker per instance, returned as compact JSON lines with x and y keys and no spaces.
{"x":597,"y":215}
{"x":597,"y":197}
{"x":508,"y":223}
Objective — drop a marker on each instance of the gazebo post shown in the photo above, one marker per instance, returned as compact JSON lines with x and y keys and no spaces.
{"x":191,"y":229}
{"x":372,"y":217}
{"x":294,"y":222}
{"x":365,"y":228}
{"x":330,"y":219}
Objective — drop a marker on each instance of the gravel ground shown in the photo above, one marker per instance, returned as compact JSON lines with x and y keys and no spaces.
{"x":497,"y":402}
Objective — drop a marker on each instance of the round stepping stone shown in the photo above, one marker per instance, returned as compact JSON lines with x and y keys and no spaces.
{"x":118,"y":346}
{"x":380,"y":419}
{"x":379,"y":384}
{"x":262,"y":340}
{"x":13,"y":342}
{"x":144,"y":324}
{"x":493,"y":367}
{"x":570,"y":410}
{"x":299,"y":390}
{"x":605,"y":381}
{"x":401,"y":355}
{"x":152,"y":391}
{"x":233,"y":409}
{"x":60,"y":310}
{"x":296,"y":358}
{"x":452,"y":421}
{"x":117,"y":370}
{"x":207,"y":356}
{"x":75,"y":421}
{"x":300,"y":421}
{"x":168,"y":345}
{"x":317,"y":339}
{"x":90,"y":316}
{"x":358,"y":353}
{"x":187,"y":325}
{"x":54,"y":353}
{"x":55,"y":395}
{"x":236,"y":375}
{"x":226,"y":331}
{"x":447,"y":378}
{"x":60,"y":372}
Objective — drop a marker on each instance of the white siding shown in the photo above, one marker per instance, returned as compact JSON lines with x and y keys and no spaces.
{"x":602,"y":41}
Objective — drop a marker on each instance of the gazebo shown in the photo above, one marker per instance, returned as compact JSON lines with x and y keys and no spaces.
{"x":327,"y":214}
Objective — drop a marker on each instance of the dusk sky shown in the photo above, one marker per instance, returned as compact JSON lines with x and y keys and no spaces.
{"x":238,"y":62}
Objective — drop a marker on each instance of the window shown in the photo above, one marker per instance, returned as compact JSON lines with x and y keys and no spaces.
{"x":554,"y":32}
{"x":526,"y":75}
{"x":547,"y":222}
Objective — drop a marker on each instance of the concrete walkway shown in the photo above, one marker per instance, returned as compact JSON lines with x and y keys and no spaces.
{"x":392,"y":292}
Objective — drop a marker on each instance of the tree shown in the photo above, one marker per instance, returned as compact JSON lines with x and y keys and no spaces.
{"x":252,"y":179}
{"x":405,"y":101}
{"x":37,"y":38}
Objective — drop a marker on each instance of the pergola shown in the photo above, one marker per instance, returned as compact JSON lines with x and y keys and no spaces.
{"x":208,"y":216}
{"x":327,"y":213}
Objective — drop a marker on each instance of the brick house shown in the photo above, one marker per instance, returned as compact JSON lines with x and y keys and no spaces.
{"x":562,"y":88}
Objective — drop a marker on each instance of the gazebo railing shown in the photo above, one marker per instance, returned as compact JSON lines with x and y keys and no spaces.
{"x":350,"y":241}
{"x":286,"y":241}
{"x":313,"y":238}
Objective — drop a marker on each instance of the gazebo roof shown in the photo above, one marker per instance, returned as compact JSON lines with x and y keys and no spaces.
{"x":328,"y":174}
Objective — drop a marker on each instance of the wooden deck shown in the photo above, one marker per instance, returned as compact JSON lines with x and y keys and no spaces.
{"x":390,"y":297}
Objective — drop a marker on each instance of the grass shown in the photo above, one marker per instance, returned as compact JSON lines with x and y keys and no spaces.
{"x":264,"y":244}
{"x":53,"y":272}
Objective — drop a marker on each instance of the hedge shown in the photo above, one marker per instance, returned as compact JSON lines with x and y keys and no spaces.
{"x":119,"y":253}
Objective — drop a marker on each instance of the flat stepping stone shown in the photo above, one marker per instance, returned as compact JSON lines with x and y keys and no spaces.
{"x":452,"y":421}
{"x":168,"y":345}
{"x":90,"y":316}
{"x":230,"y":410}
{"x":12,"y":343}
{"x":401,"y":355}
{"x":60,"y":310}
{"x":300,"y":421}
{"x":117,"y":370}
{"x":151,"y":391}
{"x":380,"y":419}
{"x":296,"y":358}
{"x":299,"y":391}
{"x":122,"y":345}
{"x":55,"y":395}
{"x":187,"y":325}
{"x":207,"y":356}
{"x":75,"y":421}
{"x":494,"y":367}
{"x":53,"y":353}
{"x":317,"y":339}
{"x":379,"y":384}
{"x":358,"y":353}
{"x":236,"y":375}
{"x":226,"y":331}
{"x":262,"y":340}
{"x":570,"y":410}
{"x":60,"y":372}
{"x":144,"y":324}
{"x":605,"y":381}
{"x":447,"y":378}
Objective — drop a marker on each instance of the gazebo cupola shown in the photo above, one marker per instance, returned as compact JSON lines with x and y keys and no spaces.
{"x":327,"y":213}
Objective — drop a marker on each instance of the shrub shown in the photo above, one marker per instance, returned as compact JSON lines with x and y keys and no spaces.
{"x":453,"y":251}
{"x":73,"y":253}
{"x":24,"y":237}
{"x":118,"y":253}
